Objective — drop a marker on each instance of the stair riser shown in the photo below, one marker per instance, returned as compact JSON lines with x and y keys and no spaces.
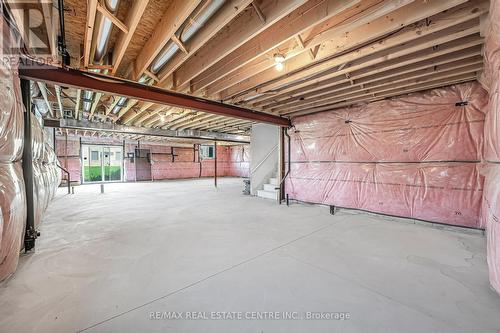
{"x":267,"y":195}
{"x":270,"y":187}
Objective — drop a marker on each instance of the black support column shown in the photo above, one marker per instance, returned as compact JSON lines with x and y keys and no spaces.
{"x":30,"y":232}
{"x":215,"y":164}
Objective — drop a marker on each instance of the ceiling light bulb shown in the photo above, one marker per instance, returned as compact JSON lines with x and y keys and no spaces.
{"x":279,"y":58}
{"x":279,"y":66}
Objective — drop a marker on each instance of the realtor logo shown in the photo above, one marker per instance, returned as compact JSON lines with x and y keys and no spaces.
{"x":29,"y":27}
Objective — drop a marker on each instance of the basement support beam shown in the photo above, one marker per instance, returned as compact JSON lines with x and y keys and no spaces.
{"x":105,"y":84}
{"x":85,"y":125}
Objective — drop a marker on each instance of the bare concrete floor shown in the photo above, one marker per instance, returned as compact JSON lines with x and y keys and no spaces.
{"x":105,"y":263}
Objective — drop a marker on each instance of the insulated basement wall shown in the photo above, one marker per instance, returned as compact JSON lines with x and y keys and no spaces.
{"x":491,"y":200}
{"x":12,"y":192}
{"x":231,"y":160}
{"x":414,"y":156}
{"x":46,"y":174}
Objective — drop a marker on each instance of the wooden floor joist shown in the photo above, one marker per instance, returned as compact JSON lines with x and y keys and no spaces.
{"x":462,"y":18}
{"x":380,"y":80}
{"x":333,"y":53}
{"x":411,"y":62}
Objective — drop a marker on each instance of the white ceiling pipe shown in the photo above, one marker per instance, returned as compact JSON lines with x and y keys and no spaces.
{"x":105,"y":26}
{"x":195,"y":22}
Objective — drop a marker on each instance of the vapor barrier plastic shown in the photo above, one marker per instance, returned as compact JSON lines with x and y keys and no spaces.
{"x":12,"y":195}
{"x":239,"y":157}
{"x":491,"y":81}
{"x":47,"y":176}
{"x":38,"y":142}
{"x":439,"y":125}
{"x":491,"y":199}
{"x":12,"y":217}
{"x":439,"y":192}
{"x":414,"y":156}
{"x":11,"y":114}
{"x":490,"y":216}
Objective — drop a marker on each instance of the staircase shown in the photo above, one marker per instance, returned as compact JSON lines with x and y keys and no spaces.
{"x":269,"y":191}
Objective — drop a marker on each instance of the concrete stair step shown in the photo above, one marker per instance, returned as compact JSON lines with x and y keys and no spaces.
{"x":269,"y":187}
{"x":273,"y":181}
{"x":267,"y":194}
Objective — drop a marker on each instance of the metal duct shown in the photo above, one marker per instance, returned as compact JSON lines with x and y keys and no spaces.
{"x":105,"y":25}
{"x":104,"y":31}
{"x":194,"y":23}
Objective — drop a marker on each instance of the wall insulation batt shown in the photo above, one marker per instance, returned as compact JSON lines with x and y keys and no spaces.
{"x":491,"y":198}
{"x":414,"y":156}
{"x":12,"y":192}
{"x":12,"y":188}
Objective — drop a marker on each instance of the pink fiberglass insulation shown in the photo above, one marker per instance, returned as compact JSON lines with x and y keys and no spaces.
{"x":413,"y":156}
{"x":441,"y":192}
{"x":418,"y":127}
{"x":491,"y":81}
{"x":490,"y":214}
{"x":231,"y":160}
{"x":491,"y":199}
{"x":12,"y":217}
{"x":239,"y":161}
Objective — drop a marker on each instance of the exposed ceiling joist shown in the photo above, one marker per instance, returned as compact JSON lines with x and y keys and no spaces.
{"x":113,"y":128}
{"x":354,"y":81}
{"x":176,"y":13}
{"x":119,"y":24}
{"x":306,"y":16}
{"x":419,"y":60}
{"x":238,"y":32}
{"x":295,"y":70}
{"x":224,"y":16}
{"x":384,"y":85}
{"x":132,"y":21}
{"x":370,"y":97}
{"x":89,"y":30}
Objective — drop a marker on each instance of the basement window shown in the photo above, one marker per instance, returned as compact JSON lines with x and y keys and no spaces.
{"x":94,"y":155}
{"x":207,"y":152}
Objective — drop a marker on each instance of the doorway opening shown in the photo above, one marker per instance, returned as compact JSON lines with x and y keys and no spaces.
{"x":102,"y":163}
